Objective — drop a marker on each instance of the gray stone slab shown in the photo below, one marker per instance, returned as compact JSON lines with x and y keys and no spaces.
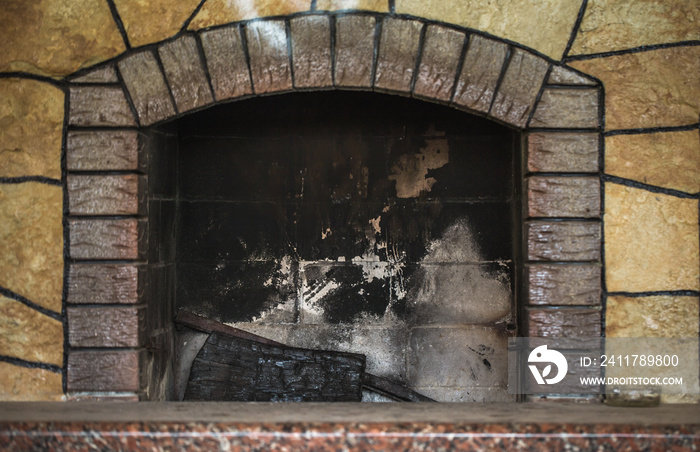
{"x":106,"y":283}
{"x":93,"y":239}
{"x":269,"y":58}
{"x":518,"y":90}
{"x":567,"y":108}
{"x":99,"y":106}
{"x":105,"y":74}
{"x":564,"y":197}
{"x":146,"y":85}
{"x":482,"y":67}
{"x":123,"y":194}
{"x":398,"y":54}
{"x":439,"y":61}
{"x":311,"y":51}
{"x":223,"y":49}
{"x":563,"y":240}
{"x":568,"y":322}
{"x":563,"y":152}
{"x":563,"y":284}
{"x":105,"y":151}
{"x":185,"y":73}
{"x":354,"y":50}
{"x":563,"y":76}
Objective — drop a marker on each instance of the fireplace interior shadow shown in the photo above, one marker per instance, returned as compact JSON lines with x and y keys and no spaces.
{"x":345,"y":221}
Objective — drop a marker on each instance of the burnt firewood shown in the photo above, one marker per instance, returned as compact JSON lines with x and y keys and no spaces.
{"x":229,"y":368}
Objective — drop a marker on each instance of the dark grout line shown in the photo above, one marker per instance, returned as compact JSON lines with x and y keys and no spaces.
{"x":460,"y":66}
{"x":575,"y":29}
{"x":205,"y":65}
{"x":33,"y":365}
{"x":22,"y":179}
{"x":192,"y":16}
{"x":647,"y":187}
{"x":673,"y":293}
{"x":647,"y":130}
{"x":501,"y":76}
{"x":538,"y":97}
{"x":632,"y":50}
{"x":118,"y":21}
{"x":17,"y":297}
{"x":419,"y":58}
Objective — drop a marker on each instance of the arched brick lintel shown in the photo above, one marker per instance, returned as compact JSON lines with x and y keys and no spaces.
{"x":429,"y":61}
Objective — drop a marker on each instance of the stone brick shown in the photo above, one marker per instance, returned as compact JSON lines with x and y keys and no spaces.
{"x":105,"y":151}
{"x":146,"y":85}
{"x":106,"y":239}
{"x":31,"y":242}
{"x":381,"y":6}
{"x":20,"y":384}
{"x":354,"y":50}
{"x":269,"y":59}
{"x":107,"y":195}
{"x":609,"y":26}
{"x":567,"y":108}
{"x":398,"y":53}
{"x":311,"y":51}
{"x":226,"y":62}
{"x":99,"y":106}
{"x":107,"y":371}
{"x":148,"y":21}
{"x":563,"y":152}
{"x":651,"y":241}
{"x":480,"y":72}
{"x":106,"y":326}
{"x":31,"y":125}
{"x":185,"y":73}
{"x":563,"y":241}
{"x":544,"y":25}
{"x":568,"y":197}
{"x":105,"y":283}
{"x":439,"y":61}
{"x":28,"y":334}
{"x":656,"y":88}
{"x":56,"y":37}
{"x":657,"y":316}
{"x":217,"y":12}
{"x":565,"y":322}
{"x":563,"y":284}
{"x":458,"y":357}
{"x":104,"y":74}
{"x":563,"y":76}
{"x":521,"y":83}
{"x":664,"y":159}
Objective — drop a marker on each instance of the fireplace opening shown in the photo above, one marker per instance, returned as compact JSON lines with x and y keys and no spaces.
{"x":347,"y":221}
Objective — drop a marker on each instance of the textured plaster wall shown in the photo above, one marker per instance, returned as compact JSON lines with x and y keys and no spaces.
{"x":646,"y":53}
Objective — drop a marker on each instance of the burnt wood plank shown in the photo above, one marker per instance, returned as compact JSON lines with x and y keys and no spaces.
{"x":228,"y":368}
{"x":105,"y":283}
{"x":102,"y":326}
{"x":392,"y":389}
{"x":199,"y":323}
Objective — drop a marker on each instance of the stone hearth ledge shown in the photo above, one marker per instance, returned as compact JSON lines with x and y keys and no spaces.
{"x":203,"y":426}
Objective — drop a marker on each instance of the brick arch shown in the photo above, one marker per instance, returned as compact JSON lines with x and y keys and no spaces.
{"x":556,"y":108}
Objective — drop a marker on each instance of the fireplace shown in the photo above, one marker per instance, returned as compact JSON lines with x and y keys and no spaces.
{"x":340,"y":219}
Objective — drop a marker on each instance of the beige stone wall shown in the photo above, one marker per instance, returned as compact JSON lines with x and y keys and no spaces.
{"x":652,"y":157}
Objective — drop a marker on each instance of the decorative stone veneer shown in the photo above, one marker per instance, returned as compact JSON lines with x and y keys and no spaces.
{"x":481,"y":75}
{"x":650,"y":80}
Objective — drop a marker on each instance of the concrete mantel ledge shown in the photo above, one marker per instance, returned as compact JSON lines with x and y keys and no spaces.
{"x":201,"y":426}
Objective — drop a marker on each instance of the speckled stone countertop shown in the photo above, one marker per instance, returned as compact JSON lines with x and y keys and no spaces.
{"x":343,"y":426}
